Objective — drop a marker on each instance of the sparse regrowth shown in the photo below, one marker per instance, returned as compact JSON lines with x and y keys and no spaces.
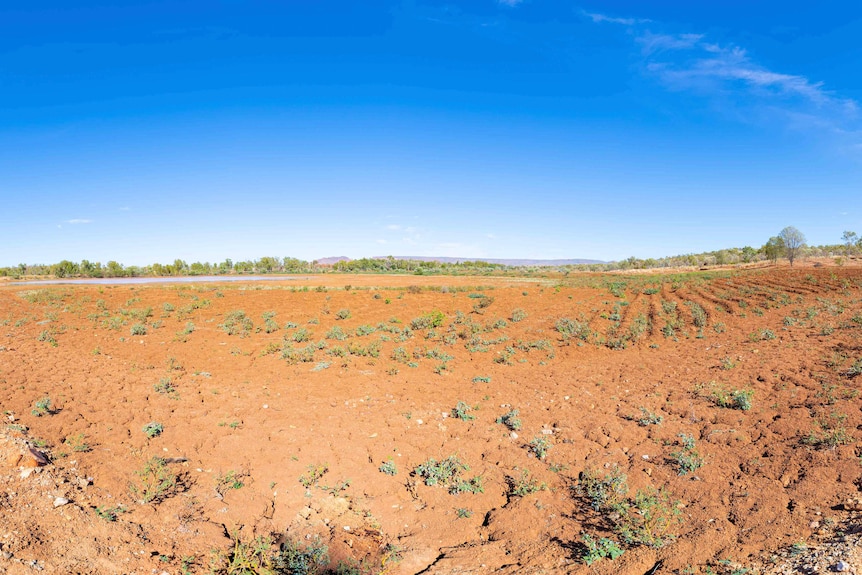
{"x":448,"y":473}
{"x":237,"y":323}
{"x":42,"y":407}
{"x":153,"y":429}
{"x":156,"y":482}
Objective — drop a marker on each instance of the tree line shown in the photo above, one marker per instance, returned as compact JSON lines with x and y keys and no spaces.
{"x":789,"y":243}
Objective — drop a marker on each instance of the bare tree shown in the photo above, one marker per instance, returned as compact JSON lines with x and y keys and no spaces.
{"x":794,"y":241}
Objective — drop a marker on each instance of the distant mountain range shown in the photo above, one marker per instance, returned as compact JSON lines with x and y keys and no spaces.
{"x":506,"y":262}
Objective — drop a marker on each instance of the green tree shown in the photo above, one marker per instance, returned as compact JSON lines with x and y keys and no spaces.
{"x":65,"y":269}
{"x":773,"y":248}
{"x":115,"y":270}
{"x":794,"y":241}
{"x":850,"y":240}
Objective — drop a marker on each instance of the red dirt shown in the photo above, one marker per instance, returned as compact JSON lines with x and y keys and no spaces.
{"x":791,"y":336}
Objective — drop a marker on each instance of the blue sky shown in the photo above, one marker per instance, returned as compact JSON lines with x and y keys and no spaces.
{"x":148,"y":131}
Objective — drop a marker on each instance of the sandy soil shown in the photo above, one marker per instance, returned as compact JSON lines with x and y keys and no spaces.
{"x":282,"y":431}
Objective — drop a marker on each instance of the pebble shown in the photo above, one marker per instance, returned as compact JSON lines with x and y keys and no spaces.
{"x":61,"y":501}
{"x":841,"y":566}
{"x":7,"y":555}
{"x":514,"y":435}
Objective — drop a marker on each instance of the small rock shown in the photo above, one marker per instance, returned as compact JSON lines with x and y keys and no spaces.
{"x":61,"y":501}
{"x":513,"y":435}
{"x":814,"y":525}
{"x":645,"y":457}
{"x":266,"y":406}
{"x":347,"y":527}
{"x":419,"y":422}
{"x":853,"y":504}
{"x":6,"y":555}
{"x":841,"y":566}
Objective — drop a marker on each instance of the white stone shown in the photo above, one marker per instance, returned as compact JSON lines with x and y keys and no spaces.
{"x":61,"y":501}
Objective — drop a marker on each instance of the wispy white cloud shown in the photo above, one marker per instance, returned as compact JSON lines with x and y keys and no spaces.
{"x":125,"y":208}
{"x":509,"y":3}
{"x":596,"y":17}
{"x":79,"y":221}
{"x":717,"y":67}
{"x":692,"y":62}
{"x":655,"y":42}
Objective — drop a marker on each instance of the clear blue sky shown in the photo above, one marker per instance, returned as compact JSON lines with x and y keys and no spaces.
{"x":148,"y":131}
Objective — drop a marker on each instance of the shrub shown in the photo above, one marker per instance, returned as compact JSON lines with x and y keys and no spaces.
{"x":110,"y":514}
{"x":153,"y":429}
{"x":540,"y":445}
{"x":138,"y":329}
{"x":510,"y":420}
{"x":47,"y":336}
{"x":731,"y":399}
{"x":428,"y":321}
{"x":687,"y":459}
{"x":292,"y":559}
{"x":313,"y":475}
{"x":462,"y":411}
{"x":269,"y":324}
{"x":42,"y":407}
{"x":246,"y":558}
{"x":229,"y":480}
{"x":482,"y":304}
{"x":237,"y":323}
{"x":165,"y":386}
{"x":832,"y":432}
{"x":156,"y":482}
{"x":448,"y":473}
{"x":342,"y":314}
{"x":524,"y":485}
{"x":569,"y":329}
{"x":603,"y":492}
{"x":336,"y":333}
{"x":649,"y":418}
{"x":698,"y":314}
{"x":598,"y":549}
{"x":301,"y":335}
{"x":518,"y":315}
{"x":649,"y":519}
{"x":363,"y":330}
{"x":388,"y":467}
{"x":78,"y":443}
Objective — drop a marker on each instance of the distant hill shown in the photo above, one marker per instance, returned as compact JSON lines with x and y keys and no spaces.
{"x":506,"y":262}
{"x":332,"y":260}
